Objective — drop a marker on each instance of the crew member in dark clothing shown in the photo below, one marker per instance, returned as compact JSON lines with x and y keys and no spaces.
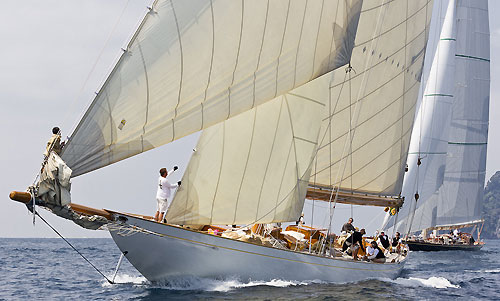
{"x":395,"y":242}
{"x":354,"y":242}
{"x":384,"y":240}
{"x":348,"y":227}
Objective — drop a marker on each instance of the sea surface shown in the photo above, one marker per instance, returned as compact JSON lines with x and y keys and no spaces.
{"x":48,"y":269}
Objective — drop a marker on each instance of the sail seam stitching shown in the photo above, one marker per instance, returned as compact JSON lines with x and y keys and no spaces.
{"x":182,"y":68}
{"x":237,"y":57}
{"x":307,"y":98}
{"x":211,"y":64}
{"x":268,"y":161}
{"x":260,"y":53}
{"x":317,"y":38}
{"x":147,"y":96}
{"x":281,"y":51}
{"x":298,"y":46}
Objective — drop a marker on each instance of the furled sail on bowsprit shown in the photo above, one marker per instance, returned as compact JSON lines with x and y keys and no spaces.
{"x":365,"y":136}
{"x":256,"y":166}
{"x":458,"y":185}
{"x":193,"y":64}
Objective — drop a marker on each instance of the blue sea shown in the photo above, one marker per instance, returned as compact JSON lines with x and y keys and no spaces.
{"x":48,"y":269}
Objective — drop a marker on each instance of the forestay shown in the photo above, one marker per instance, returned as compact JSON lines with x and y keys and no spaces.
{"x":365,"y":136}
{"x":193,"y":64}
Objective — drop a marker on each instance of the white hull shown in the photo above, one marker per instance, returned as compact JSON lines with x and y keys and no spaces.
{"x":168,"y":252}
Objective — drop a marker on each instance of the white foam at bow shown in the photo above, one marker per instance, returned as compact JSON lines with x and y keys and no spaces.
{"x":436,"y":282}
{"x":124,"y":278}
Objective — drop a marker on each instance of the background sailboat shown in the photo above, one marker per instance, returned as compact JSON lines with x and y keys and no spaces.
{"x":451,"y":129}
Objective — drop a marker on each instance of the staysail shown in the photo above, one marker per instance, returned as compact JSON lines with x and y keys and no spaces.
{"x":452,"y":191}
{"x":370,"y":110}
{"x":251,"y":168}
{"x":256,"y":166}
{"x":193,"y":64}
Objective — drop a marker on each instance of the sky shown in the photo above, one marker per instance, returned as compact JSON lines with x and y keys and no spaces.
{"x":55,"y":54}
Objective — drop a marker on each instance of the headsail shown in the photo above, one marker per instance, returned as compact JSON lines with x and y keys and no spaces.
{"x":193,"y":64}
{"x":365,"y":136}
{"x":251,"y":168}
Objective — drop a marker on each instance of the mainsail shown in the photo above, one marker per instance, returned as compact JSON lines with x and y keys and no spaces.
{"x":256,"y":166}
{"x":193,"y":64}
{"x":365,"y":136}
{"x":452,"y":127}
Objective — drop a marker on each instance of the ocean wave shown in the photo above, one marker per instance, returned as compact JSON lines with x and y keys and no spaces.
{"x":493,"y":271}
{"x":223,"y":285}
{"x":126,"y":279}
{"x":436,"y":282}
{"x":203,"y":284}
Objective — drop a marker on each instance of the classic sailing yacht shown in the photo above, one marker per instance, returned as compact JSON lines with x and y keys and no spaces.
{"x":294,"y":98}
{"x":447,"y":160}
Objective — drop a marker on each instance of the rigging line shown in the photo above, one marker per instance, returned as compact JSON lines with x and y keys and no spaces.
{"x":362,"y":89}
{"x":95,"y":64}
{"x":95,"y":268}
{"x":115,"y":68}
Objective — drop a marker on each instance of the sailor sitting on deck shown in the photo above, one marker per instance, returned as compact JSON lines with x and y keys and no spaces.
{"x":163,"y":193}
{"x":374,"y":253}
{"x":353,"y":243}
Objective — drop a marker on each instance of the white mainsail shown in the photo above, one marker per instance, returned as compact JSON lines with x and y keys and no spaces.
{"x":365,"y":135}
{"x":461,"y":197}
{"x":451,"y":129}
{"x":193,"y":64}
{"x":256,"y":166}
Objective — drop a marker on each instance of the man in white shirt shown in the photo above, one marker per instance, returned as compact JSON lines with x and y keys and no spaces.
{"x":163,"y":193}
{"x":374,"y":253}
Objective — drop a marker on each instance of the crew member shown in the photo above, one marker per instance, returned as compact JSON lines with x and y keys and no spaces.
{"x":54,"y":144}
{"x":348,"y":227}
{"x":163,"y":193}
{"x":353,"y":243}
{"x":374,"y":253}
{"x":384,"y":240}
